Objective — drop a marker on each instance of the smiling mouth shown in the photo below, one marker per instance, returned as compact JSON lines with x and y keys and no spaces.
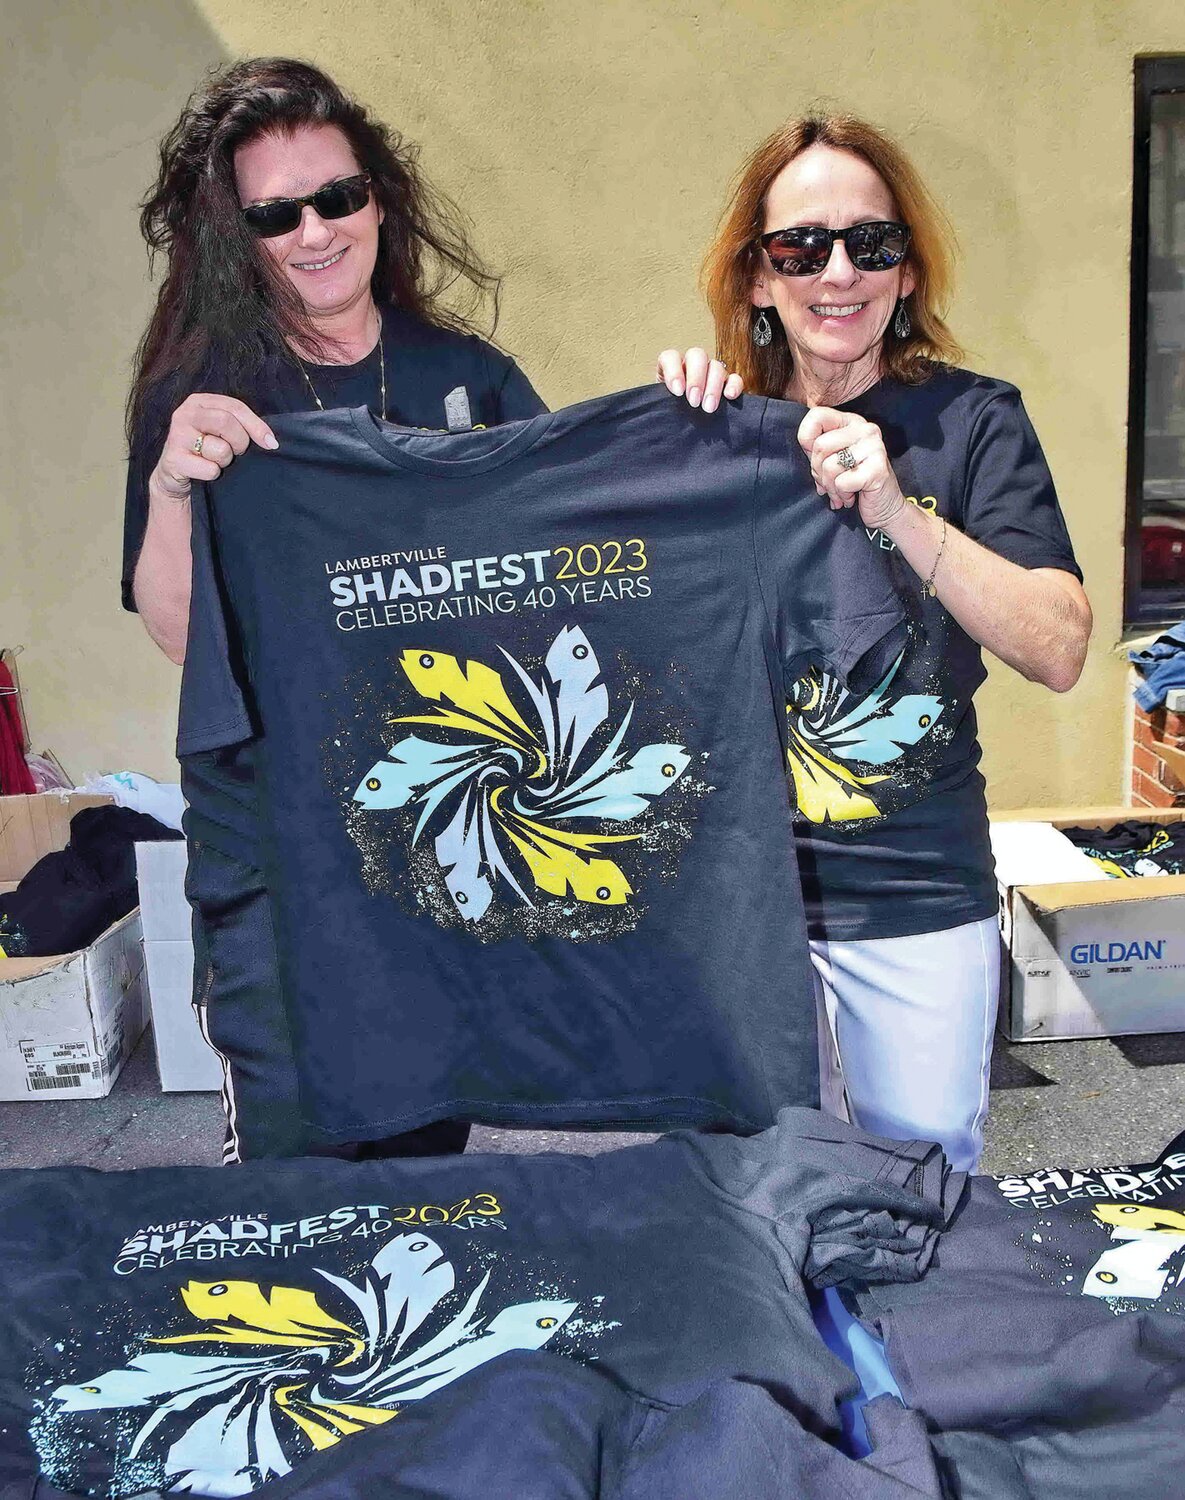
{"x":825,"y":310}
{"x":319,"y":265}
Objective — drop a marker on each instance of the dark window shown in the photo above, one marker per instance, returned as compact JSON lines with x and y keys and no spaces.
{"x":1155,"y":536}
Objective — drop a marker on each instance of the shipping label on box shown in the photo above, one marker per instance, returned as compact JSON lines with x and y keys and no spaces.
{"x":68,"y":1025}
{"x":56,"y":1065}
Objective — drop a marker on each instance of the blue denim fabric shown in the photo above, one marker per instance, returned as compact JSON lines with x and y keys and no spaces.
{"x":1163,"y":666}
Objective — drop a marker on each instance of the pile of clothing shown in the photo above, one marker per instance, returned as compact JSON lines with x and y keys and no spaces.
{"x":1134,"y":847}
{"x":70,"y":897}
{"x":1162,"y":667}
{"x":635,"y":1324}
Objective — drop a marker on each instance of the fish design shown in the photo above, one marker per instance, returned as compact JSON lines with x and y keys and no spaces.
{"x":832,"y":730}
{"x":302,"y":1377}
{"x":515,"y":766}
{"x":1147,"y":1256}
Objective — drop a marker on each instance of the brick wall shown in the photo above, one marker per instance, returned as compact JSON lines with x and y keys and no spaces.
{"x":1158,"y":758}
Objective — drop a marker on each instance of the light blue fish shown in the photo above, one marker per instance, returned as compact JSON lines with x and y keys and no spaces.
{"x":230,"y":1450}
{"x":581,"y":698}
{"x":872,"y":729}
{"x":174,"y":1379}
{"x":401,"y":1286}
{"x":415,"y":765}
{"x":622,"y":794}
{"x":459,"y":854}
{"x":528,"y":1325}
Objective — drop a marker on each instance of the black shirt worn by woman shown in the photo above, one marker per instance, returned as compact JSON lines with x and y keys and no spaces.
{"x":892,"y":828}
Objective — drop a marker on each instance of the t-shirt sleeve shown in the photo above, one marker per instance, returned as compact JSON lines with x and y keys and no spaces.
{"x":827,"y":591}
{"x":1011,"y":505}
{"x":846,"y":1206}
{"x":215,"y":708}
{"x":517,"y":398}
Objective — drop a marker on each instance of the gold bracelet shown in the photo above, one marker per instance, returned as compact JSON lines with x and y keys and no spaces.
{"x":928,"y":587}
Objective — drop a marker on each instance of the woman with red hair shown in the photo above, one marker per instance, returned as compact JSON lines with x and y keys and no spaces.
{"x":828,"y":282}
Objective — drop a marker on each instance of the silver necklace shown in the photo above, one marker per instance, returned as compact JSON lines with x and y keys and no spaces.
{"x":382,"y":374}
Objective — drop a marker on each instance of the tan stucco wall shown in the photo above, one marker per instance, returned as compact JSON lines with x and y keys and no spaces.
{"x":591,"y":144}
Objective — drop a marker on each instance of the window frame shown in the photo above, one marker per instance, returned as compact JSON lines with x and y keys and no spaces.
{"x":1161,"y":74}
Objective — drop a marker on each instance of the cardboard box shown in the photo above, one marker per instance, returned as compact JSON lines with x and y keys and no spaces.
{"x":184,"y":1058}
{"x":67,"y":1023}
{"x":31,"y":827}
{"x":1093,"y":958}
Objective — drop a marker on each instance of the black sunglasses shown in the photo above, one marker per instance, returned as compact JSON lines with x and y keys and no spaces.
{"x":334,"y":201}
{"x":806,"y":249}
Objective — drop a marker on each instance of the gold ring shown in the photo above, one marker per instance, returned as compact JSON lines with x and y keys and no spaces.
{"x":197,"y":443}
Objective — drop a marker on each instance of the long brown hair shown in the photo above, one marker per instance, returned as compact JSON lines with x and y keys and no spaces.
{"x":731,"y":263}
{"x":223,"y":306}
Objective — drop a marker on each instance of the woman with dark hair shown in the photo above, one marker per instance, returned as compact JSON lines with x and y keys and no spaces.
{"x":307,"y":261}
{"x":828,"y":283}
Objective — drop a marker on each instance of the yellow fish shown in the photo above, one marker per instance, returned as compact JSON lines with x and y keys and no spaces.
{"x":474,"y":700}
{"x":243,"y":1313}
{"x":826,"y":791}
{"x":562,"y":861}
{"x":1143,"y":1216}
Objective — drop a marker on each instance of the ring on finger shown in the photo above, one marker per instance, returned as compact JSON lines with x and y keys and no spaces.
{"x":846,"y":460}
{"x":196,"y":445}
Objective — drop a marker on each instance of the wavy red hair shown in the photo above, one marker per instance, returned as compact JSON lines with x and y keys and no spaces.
{"x":731,"y":262}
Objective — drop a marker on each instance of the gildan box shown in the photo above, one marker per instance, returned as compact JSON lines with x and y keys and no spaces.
{"x":1096,"y":957}
{"x":68,"y":1023}
{"x":184,"y":1058}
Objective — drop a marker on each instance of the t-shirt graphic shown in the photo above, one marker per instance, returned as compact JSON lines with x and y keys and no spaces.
{"x":522,"y":695}
{"x":1117,"y":1233}
{"x":199,"y":1331}
{"x":843,"y":746}
{"x":309,"y":1367}
{"x":526,"y":851}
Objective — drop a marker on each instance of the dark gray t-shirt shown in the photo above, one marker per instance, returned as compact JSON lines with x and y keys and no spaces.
{"x":892,"y":823}
{"x":1047,"y":1341}
{"x":522,"y":701}
{"x":212,"y":1331}
{"x":577,"y":1435}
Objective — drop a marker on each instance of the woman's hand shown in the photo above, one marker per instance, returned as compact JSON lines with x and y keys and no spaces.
{"x":704,"y":380}
{"x":868,"y":481}
{"x":225,"y":426}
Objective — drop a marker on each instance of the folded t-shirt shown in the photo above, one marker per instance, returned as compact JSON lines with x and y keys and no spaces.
{"x":1133,"y":847}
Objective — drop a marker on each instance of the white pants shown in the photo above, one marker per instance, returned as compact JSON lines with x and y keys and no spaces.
{"x":906,"y":1029}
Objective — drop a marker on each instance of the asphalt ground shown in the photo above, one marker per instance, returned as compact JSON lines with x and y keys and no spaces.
{"x":1053,"y":1104}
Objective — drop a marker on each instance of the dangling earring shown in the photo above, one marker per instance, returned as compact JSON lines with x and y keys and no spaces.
{"x":763,"y":333}
{"x":901,"y":323}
